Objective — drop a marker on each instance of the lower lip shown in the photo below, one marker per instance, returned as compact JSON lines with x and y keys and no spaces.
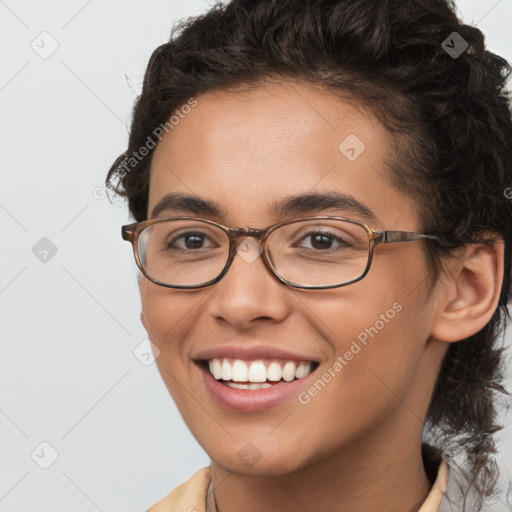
{"x":251,"y":400}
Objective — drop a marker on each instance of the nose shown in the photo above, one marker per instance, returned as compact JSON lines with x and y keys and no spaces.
{"x":249,"y":291}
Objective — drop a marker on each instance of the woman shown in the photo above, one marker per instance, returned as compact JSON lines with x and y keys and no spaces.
{"x":325,"y":250}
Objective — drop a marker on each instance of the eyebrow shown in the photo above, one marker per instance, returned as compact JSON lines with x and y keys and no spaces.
{"x":177,"y":202}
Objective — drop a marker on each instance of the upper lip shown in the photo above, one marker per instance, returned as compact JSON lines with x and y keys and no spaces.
{"x":251,"y":352}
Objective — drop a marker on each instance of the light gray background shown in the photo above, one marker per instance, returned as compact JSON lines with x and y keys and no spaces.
{"x":69,"y":326}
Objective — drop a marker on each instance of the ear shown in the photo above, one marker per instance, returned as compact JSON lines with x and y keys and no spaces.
{"x":469,"y":292}
{"x":143,"y":319}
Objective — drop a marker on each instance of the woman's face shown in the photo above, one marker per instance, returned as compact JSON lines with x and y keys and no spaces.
{"x":245,"y":151}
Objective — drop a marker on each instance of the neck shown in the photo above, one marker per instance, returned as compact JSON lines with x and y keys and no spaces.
{"x":358,"y":478}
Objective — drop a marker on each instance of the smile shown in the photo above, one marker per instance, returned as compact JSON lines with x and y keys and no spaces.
{"x":257,"y":374}
{"x":250,"y":386}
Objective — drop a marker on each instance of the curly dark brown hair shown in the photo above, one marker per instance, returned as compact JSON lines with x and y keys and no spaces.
{"x":450,"y":122}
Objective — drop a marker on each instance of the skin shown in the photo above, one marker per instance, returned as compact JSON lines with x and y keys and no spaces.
{"x":356,"y":445}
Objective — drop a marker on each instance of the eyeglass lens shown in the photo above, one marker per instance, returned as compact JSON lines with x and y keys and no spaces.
{"x":319,"y":252}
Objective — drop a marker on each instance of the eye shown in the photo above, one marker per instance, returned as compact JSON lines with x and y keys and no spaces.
{"x":192,"y":240}
{"x":323,"y":240}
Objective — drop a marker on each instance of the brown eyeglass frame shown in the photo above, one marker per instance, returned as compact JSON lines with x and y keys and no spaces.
{"x":130,"y":233}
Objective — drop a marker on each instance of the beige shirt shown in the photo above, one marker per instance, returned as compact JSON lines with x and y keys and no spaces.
{"x":195,"y":494}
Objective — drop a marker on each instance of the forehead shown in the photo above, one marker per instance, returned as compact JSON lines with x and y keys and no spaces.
{"x":249,"y":147}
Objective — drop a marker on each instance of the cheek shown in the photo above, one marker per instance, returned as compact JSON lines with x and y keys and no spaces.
{"x":377,"y":333}
{"x":167,"y":317}
{"x":169,"y":314}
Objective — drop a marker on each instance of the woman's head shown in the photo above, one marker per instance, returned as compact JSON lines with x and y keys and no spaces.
{"x":271,"y":99}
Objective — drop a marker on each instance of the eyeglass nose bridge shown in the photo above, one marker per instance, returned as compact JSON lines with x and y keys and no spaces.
{"x":235,"y":233}
{"x":252,"y":232}
{"x":260,"y":235}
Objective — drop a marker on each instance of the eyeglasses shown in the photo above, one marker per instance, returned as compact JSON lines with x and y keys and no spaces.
{"x":313,"y":252}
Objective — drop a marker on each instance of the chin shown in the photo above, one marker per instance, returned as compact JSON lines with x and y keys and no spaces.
{"x":251,"y":461}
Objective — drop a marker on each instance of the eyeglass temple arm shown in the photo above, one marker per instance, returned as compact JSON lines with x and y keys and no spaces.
{"x":389,"y":237}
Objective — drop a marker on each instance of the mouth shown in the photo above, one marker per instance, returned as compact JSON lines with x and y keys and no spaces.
{"x":257,"y":373}
{"x":254,"y":385}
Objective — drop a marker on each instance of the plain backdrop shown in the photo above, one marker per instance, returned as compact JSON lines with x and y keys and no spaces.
{"x":75,"y":394}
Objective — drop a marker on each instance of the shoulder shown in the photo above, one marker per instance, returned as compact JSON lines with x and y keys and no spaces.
{"x":190,"y":495}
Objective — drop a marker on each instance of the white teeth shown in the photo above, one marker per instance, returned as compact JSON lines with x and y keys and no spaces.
{"x":274,"y":371}
{"x":251,"y":385}
{"x":217,"y":368}
{"x":302,"y":370}
{"x":240,"y":372}
{"x":226,"y":370}
{"x":259,"y":385}
{"x":257,"y":371}
{"x":289,"y":371}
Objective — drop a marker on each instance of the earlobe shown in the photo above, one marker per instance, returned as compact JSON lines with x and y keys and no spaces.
{"x":469,"y":292}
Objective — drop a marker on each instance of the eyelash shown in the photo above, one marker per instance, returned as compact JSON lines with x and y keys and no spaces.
{"x":332,"y":236}
{"x":344,"y":243}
